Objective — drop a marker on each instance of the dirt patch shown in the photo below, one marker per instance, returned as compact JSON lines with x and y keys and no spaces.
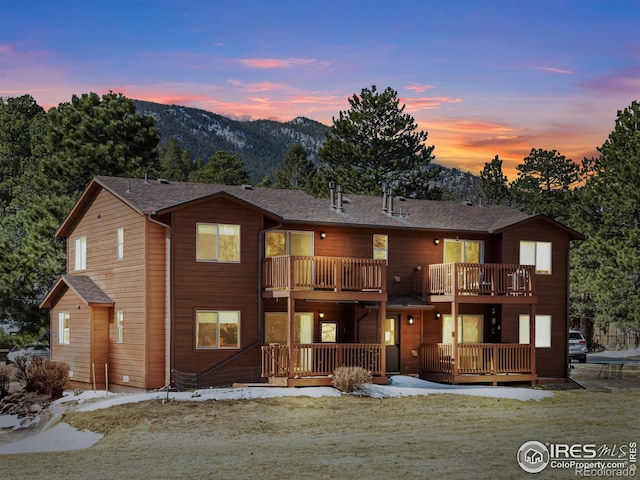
{"x":437,"y":436}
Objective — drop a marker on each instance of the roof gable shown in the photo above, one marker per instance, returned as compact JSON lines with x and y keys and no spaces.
{"x":82,"y":286}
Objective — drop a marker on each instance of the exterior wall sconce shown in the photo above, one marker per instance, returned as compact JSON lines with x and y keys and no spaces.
{"x":436,"y":241}
{"x":410,"y":320}
{"x":437,"y":315}
{"x":323,"y":235}
{"x":321,"y":315}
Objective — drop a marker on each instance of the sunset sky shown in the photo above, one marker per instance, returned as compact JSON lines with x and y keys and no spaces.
{"x":483,"y":78}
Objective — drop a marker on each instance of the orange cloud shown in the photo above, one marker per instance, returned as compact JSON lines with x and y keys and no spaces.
{"x":280,"y":62}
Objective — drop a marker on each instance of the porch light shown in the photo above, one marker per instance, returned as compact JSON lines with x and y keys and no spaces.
{"x":436,"y":241}
{"x":436,"y":315}
{"x":323,"y":235}
{"x":321,"y":314}
{"x":410,"y":320}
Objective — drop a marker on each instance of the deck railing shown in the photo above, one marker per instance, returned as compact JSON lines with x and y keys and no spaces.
{"x":324,"y":273}
{"x":476,"y":358}
{"x":474,"y":279}
{"x":320,"y":359}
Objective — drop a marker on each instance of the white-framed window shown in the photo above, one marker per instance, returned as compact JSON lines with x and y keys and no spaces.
{"x":217,"y":242}
{"x":119,"y":326}
{"x":64,"y":332}
{"x":538,"y":254}
{"x":380,"y":247}
{"x":469,"y":329}
{"x":463,"y":251}
{"x":217,"y":329}
{"x":543,"y":330}
{"x":120,"y":243}
{"x":80,"y":247}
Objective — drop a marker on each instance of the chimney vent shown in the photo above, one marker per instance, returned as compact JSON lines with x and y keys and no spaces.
{"x":332,"y":193}
{"x":163,"y":181}
{"x":384,"y":199}
{"x":339,"y":207}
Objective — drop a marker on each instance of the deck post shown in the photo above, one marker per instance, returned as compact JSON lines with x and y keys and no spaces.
{"x":532,"y":337}
{"x":381,"y":324}
{"x":454,"y":333}
{"x":291,"y":310}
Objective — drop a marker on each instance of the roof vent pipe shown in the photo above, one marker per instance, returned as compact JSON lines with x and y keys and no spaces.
{"x":146,"y":179}
{"x":340,"y":189}
{"x":128,"y":187}
{"x":384,"y":199}
{"x":390,"y":202}
{"x":332,"y":193}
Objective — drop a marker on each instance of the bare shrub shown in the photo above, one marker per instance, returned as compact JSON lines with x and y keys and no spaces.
{"x":43,"y":376}
{"x":5,"y":379}
{"x":350,"y":379}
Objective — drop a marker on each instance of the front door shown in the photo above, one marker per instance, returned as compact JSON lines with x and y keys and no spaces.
{"x":392,"y":342}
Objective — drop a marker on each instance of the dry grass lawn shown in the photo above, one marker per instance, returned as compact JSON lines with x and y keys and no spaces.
{"x":436,"y":436}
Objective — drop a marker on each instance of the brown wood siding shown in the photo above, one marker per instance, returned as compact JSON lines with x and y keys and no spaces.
{"x":77,"y":354}
{"x":213,"y":285}
{"x":101,"y":316}
{"x":410,"y":337}
{"x":157,"y":307}
{"x":552,"y":293}
{"x":123,"y":280}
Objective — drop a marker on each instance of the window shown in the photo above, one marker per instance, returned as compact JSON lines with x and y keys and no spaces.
{"x":81,"y":253}
{"x":120,"y":243}
{"x":380,"y":247}
{"x":217,"y":243}
{"x":120,"y":326}
{"x":63,"y":328}
{"x":217,"y":329}
{"x":462,"y":251}
{"x":469,"y":329}
{"x":538,"y":254}
{"x":277,"y":327}
{"x":543,"y":330}
{"x":328,"y":332}
{"x":283,"y":242}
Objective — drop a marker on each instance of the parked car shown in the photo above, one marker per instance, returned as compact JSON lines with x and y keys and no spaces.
{"x":38,"y":349}
{"x":577,"y":346}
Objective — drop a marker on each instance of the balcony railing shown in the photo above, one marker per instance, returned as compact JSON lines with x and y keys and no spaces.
{"x":324,"y":273}
{"x":319,"y":359}
{"x":475,"y":279}
{"x":477,"y":358}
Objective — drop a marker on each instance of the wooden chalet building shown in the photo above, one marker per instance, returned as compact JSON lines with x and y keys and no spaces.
{"x":200,"y":285}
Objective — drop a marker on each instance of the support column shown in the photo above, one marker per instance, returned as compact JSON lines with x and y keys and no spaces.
{"x":291,"y":311}
{"x":532,"y":337}
{"x":454,"y":347}
{"x":381,"y":325}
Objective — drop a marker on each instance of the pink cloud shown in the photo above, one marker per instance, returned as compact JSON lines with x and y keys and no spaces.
{"x":418,"y":87}
{"x":280,"y":62}
{"x":556,"y":70}
{"x":428,"y":103}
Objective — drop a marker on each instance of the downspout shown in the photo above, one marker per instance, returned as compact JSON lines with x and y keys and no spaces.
{"x":258,"y":342}
{"x":169,"y":294}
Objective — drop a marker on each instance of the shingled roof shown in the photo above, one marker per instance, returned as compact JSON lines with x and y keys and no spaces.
{"x":294,"y":206}
{"x":83,"y":286}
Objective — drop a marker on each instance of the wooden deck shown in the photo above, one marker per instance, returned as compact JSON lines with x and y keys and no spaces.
{"x":476,"y":283}
{"x":325,"y":274}
{"x":477,"y":363}
{"x":314,"y":364}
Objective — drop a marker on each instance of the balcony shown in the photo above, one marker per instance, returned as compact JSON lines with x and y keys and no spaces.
{"x":477,"y":363}
{"x":511,"y":283}
{"x":314,"y":364}
{"x":314,"y":277}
